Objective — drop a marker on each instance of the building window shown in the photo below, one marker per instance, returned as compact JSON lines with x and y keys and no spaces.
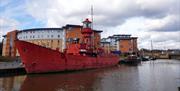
{"x":70,"y":28}
{"x":51,"y":36}
{"x":121,"y":46}
{"x":48,"y":44}
{"x":58,"y":36}
{"x":130,"y":49}
{"x":48,"y":36}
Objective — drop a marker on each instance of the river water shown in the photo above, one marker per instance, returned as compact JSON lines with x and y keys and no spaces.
{"x":159,"y":75}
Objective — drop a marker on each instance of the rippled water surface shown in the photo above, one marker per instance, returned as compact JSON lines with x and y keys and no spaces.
{"x":160,"y":75}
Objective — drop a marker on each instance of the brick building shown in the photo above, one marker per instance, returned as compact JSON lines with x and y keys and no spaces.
{"x":54,"y":38}
{"x":8,"y":48}
{"x":123,"y":43}
{"x":127,"y":45}
{"x":74,"y":32}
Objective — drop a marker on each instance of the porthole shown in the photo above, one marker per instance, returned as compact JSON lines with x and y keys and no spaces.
{"x":24,"y":50}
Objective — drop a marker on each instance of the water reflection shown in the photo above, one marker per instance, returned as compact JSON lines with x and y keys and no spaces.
{"x":160,"y":75}
{"x":8,"y":83}
{"x":11,"y":83}
{"x":82,"y":81}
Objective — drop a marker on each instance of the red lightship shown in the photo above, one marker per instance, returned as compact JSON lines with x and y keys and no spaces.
{"x":78,"y":56}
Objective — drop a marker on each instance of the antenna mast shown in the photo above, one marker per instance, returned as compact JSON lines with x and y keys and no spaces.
{"x":151,"y":49}
{"x":151,"y":45}
{"x":92,"y":15}
{"x":92,"y":27}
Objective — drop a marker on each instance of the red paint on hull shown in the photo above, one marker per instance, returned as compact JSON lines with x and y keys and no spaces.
{"x":38,"y":59}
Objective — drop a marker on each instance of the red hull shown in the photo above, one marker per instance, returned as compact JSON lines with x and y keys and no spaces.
{"x":38,"y":59}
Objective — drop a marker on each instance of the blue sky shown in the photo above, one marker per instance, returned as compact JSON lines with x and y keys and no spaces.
{"x":16,"y":10}
{"x":156,"y":20}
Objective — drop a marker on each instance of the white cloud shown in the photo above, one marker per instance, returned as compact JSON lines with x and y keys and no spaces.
{"x":142,"y":18}
{"x":155,"y":4}
{"x":109,"y":13}
{"x":168,"y":23}
{"x":156,"y":20}
{"x":5,"y":22}
{"x":161,"y":40}
{"x":142,"y":28}
{"x":6,"y":25}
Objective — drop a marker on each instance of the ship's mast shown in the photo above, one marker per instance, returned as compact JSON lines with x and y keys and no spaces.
{"x":92,"y":17}
{"x":151,"y":49}
{"x":92,"y":41}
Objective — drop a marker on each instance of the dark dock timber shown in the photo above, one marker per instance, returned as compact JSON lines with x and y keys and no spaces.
{"x":11,"y":68}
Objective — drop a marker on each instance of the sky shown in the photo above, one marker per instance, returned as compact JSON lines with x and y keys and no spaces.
{"x":156,"y":20}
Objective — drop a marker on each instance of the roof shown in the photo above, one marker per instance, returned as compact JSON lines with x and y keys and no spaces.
{"x":79,"y":26}
{"x":87,"y":20}
{"x":70,"y":25}
{"x":66,"y":26}
{"x":127,"y":38}
{"x":122,"y":35}
{"x":98,"y":31}
{"x":110,"y":37}
{"x":4,"y":35}
{"x":134,"y":37}
{"x":38,"y":29}
{"x":105,"y":42}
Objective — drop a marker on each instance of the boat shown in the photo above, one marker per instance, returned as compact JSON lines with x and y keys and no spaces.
{"x":145,"y":58}
{"x":78,"y":56}
{"x":131,"y":59}
{"x":153,"y":58}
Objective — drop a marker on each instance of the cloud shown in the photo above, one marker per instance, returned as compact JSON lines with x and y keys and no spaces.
{"x":106,"y":13}
{"x":147,"y":19}
{"x":168,"y":23}
{"x":161,"y":40}
{"x":142,"y":18}
{"x":57,"y":13}
{"x":6,"y":25}
{"x":8,"y":12}
{"x":138,"y":27}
